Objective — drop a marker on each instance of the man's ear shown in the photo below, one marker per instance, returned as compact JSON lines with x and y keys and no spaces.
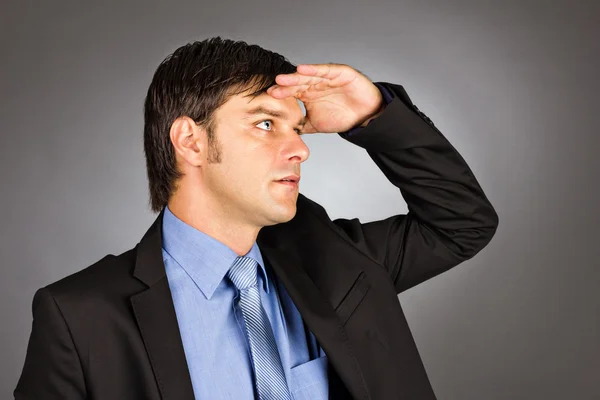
{"x":189,"y":141}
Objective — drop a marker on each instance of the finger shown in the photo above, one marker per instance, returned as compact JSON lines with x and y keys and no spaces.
{"x":297,"y":79}
{"x":308,"y":128}
{"x":326,"y":71}
{"x":281,"y":92}
{"x":323,"y":86}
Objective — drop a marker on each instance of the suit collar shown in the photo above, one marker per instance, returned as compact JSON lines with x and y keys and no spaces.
{"x":149,"y":267}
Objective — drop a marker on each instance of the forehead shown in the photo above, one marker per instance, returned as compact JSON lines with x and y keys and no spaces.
{"x":242,"y":104}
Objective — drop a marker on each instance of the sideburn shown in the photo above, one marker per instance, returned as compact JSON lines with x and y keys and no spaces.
{"x":214,"y":147}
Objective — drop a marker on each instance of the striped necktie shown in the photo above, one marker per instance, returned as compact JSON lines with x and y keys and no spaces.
{"x":268,"y":371}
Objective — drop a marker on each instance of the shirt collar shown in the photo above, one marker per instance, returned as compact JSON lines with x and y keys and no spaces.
{"x":204,"y":258}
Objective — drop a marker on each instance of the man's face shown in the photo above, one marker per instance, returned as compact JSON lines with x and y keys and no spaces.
{"x":257,"y":151}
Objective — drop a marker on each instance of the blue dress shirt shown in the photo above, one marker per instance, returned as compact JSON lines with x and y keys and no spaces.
{"x":212,"y":326}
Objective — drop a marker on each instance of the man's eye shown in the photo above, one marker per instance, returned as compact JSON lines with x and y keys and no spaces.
{"x":266,"y":121}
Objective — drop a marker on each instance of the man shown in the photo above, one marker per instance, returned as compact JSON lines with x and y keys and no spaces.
{"x":243,"y":287}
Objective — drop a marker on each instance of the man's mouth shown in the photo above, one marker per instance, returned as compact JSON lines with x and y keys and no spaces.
{"x":292,"y":178}
{"x":291,"y":181}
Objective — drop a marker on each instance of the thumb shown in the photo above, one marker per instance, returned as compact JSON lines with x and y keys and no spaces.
{"x":308,"y":128}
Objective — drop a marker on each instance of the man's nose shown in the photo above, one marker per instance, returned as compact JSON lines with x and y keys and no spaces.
{"x":297,"y":149}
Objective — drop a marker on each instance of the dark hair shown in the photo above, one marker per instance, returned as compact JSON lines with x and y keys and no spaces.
{"x":194,"y":81}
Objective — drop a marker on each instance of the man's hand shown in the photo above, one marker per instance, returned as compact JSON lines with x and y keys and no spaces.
{"x":337,"y":98}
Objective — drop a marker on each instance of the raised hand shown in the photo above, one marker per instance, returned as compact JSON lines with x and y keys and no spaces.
{"x":337,"y":97}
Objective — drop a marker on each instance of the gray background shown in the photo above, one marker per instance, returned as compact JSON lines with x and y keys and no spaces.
{"x":512,"y":84}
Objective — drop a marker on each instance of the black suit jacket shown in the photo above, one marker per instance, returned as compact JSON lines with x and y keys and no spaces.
{"x":110,"y":331}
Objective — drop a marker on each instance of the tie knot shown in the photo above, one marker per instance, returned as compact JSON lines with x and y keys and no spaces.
{"x":243,"y":272}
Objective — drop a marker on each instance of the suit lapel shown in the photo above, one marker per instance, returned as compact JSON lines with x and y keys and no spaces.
{"x":290,"y":250}
{"x":157,"y":321}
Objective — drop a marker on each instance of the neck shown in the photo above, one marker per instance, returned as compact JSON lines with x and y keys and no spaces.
{"x":215,"y":222}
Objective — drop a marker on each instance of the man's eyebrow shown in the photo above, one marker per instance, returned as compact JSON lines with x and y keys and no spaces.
{"x":274,"y":113}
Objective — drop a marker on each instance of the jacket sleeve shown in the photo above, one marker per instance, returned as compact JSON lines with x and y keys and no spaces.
{"x":52,"y":369}
{"x":449,"y":218}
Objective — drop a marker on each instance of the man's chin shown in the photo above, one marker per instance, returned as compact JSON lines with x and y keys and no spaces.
{"x":282,"y":217}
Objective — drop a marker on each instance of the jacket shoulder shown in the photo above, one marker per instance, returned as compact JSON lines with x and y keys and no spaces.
{"x":307,"y":208}
{"x":111,"y":274}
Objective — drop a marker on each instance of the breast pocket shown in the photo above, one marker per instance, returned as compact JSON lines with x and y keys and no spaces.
{"x":309,"y":380}
{"x":353,"y":298}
